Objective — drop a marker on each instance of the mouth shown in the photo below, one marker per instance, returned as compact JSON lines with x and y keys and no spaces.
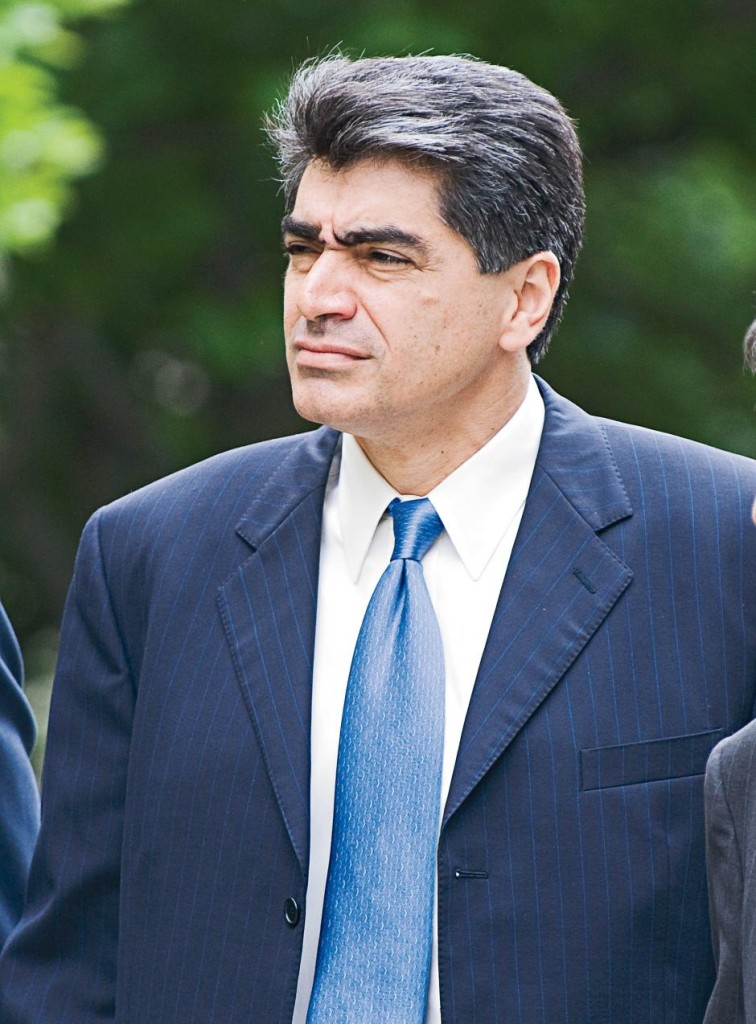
{"x":324,"y":354}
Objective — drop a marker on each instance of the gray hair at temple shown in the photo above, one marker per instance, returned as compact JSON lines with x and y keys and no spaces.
{"x":749,"y":347}
{"x":506,"y":154}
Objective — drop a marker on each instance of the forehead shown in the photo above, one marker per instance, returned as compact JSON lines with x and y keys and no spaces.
{"x":370,"y":192}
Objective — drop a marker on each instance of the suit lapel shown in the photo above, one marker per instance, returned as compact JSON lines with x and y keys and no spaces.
{"x":561,"y":583}
{"x":268,"y":607}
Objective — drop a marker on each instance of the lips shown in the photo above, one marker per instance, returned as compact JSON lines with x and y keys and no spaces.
{"x":324,"y":354}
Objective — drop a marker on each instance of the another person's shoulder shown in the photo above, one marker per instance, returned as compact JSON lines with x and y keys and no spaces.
{"x":19,"y":799}
{"x":10,"y":655}
{"x":730,"y":789}
{"x":13,"y":705}
{"x":735,"y":756}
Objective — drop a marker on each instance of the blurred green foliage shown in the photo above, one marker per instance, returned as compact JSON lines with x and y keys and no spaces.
{"x":148,"y":336}
{"x":44,"y":144}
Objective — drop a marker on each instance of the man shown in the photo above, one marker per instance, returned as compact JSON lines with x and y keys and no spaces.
{"x":19,"y":801}
{"x":730,"y":800}
{"x":579,"y":614}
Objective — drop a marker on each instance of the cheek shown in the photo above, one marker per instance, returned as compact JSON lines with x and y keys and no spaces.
{"x":431,"y":303}
{"x":449,"y":309}
{"x":290,"y":308}
{"x":425,"y":319}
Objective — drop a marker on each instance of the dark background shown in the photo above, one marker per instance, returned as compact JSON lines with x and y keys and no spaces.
{"x":143,"y":332}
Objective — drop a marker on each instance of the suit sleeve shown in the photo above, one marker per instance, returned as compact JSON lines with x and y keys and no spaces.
{"x":19,"y":800}
{"x":725,"y":876}
{"x":60,"y":964}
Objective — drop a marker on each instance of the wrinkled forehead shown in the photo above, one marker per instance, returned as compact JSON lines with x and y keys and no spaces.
{"x":385,"y":167}
{"x":367,"y":193}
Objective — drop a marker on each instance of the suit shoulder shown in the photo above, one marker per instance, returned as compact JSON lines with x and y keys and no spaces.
{"x":731,"y":783}
{"x":737,"y":753}
{"x":676,"y":466}
{"x":643,"y":442}
{"x":640,"y":449}
{"x":226,"y":477}
{"x":666,"y":479}
{"x":202,"y":503}
{"x":194,"y":516}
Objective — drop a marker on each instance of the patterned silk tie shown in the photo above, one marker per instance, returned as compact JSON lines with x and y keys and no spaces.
{"x":375,"y":942}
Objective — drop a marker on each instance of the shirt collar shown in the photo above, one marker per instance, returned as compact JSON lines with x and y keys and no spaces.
{"x":477,"y":503}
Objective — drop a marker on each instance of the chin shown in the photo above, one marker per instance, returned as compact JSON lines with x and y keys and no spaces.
{"x":325,"y":403}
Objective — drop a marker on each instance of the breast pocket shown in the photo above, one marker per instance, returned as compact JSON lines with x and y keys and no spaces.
{"x":628,"y":764}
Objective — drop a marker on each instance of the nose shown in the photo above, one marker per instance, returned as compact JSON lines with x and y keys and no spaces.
{"x":326,"y":288}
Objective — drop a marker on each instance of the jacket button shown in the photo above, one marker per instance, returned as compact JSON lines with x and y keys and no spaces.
{"x":291,"y":912}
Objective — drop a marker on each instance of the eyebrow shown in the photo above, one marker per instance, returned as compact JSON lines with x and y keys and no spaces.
{"x":361,"y":236}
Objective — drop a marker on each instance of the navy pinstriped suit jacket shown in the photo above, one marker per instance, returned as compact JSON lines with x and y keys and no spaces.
{"x":571,"y":859}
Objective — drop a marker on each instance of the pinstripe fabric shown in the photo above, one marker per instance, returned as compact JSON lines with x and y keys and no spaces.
{"x":156,"y":777}
{"x":593,"y":908}
{"x":730,"y":798}
{"x":571,"y":866}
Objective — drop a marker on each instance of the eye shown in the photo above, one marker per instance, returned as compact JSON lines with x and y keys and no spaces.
{"x":301,"y":256}
{"x":297,"y":249}
{"x":387,"y":258}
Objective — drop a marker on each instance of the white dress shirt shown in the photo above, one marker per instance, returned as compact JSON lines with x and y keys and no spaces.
{"x":480,"y":505}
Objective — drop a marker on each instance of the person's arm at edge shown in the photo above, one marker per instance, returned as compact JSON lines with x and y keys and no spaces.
{"x":19,"y":799}
{"x":725,"y":878}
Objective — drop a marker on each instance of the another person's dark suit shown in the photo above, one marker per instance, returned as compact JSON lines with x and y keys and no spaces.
{"x":19,"y":801}
{"x":731,"y":852}
{"x":730,"y":795}
{"x":169,"y":886}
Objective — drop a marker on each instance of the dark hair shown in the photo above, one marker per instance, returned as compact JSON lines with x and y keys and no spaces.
{"x":507,"y":154}
{"x":749,"y":347}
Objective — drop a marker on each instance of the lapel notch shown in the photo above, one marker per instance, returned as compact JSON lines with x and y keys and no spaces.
{"x":561,"y":583}
{"x":268,"y":608}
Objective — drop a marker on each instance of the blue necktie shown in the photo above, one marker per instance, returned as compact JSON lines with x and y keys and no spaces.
{"x":374,"y":955}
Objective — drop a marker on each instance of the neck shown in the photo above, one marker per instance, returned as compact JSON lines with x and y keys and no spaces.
{"x":416,"y":464}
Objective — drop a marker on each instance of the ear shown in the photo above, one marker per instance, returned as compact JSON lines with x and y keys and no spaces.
{"x":533,"y":283}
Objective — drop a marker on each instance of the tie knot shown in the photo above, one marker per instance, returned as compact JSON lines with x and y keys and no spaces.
{"x":416,"y":526}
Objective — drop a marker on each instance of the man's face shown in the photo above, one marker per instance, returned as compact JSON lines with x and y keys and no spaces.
{"x":391,"y":331}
